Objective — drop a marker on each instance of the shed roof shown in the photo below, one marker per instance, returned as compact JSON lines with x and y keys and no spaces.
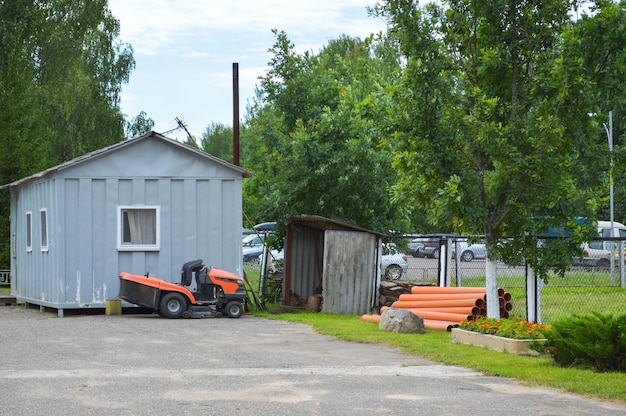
{"x":323,"y":223}
{"x":121,"y":145}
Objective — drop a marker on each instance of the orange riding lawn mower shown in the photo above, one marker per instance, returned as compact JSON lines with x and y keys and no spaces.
{"x":217,"y":293}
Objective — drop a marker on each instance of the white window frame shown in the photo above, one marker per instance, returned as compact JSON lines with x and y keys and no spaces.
{"x":125,"y":246}
{"x":29,"y":231}
{"x":43,"y":218}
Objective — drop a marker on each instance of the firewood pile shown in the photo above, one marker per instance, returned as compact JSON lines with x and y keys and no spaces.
{"x":390,"y":291}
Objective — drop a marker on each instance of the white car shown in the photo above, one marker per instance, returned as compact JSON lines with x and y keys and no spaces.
{"x":598,"y":253}
{"x":470,"y":251}
{"x":393,"y":264}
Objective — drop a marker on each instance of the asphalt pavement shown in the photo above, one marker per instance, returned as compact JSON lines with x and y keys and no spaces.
{"x":141,"y":364}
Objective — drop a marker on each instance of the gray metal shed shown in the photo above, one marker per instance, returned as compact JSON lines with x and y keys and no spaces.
{"x":144,"y":205}
{"x":334,"y":259}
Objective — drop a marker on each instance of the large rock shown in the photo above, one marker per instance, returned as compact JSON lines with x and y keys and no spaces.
{"x":401,"y":321}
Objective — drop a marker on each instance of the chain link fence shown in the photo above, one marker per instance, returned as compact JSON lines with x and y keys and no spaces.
{"x":592,"y":283}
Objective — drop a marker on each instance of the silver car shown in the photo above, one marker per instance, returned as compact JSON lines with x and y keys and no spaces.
{"x":393,"y":264}
{"x":470,"y":251}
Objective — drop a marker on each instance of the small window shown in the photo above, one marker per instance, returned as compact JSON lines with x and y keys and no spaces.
{"x":138,"y":228}
{"x":44,"y":229}
{"x":29,"y":231}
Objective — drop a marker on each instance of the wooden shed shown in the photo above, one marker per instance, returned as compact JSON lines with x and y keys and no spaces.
{"x":334,"y":260}
{"x":144,"y":205}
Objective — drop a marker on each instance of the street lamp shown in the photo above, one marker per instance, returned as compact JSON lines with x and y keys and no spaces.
{"x":609,"y":134}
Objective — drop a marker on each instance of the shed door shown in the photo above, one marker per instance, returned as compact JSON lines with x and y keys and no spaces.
{"x":349,"y":278}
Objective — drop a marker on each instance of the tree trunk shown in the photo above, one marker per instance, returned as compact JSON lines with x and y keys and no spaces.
{"x":491,"y":285}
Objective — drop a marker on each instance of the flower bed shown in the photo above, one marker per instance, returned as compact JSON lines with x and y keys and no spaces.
{"x":510,"y":335}
{"x":515,"y":327}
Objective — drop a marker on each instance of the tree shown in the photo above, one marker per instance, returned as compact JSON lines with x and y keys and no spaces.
{"x":61,"y":71}
{"x":217,"y":140}
{"x":492,"y":120}
{"x":313,"y":135}
{"x":140,"y":124}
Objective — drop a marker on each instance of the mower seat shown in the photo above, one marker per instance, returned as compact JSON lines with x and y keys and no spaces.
{"x":186,"y":275}
{"x":202,"y":276}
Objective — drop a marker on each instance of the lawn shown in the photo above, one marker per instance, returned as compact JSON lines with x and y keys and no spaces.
{"x":578,"y":292}
{"x":437,"y":346}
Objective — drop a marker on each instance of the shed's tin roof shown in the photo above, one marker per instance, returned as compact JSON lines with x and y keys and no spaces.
{"x":118,"y":146}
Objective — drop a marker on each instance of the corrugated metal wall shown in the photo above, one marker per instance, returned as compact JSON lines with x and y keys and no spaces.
{"x":34,"y":263}
{"x":349,"y":272}
{"x":306,"y":248}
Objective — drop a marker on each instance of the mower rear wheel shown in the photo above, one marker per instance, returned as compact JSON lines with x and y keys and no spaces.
{"x":173,"y":305}
{"x":234,"y":309}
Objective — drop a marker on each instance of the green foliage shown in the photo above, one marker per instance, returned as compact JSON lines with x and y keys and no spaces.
{"x":140,"y":124}
{"x":595,"y":341}
{"x":313,"y":136}
{"x":492,"y":126}
{"x":217,"y":140}
{"x":61,"y":71}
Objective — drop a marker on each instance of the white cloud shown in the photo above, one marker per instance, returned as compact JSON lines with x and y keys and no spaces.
{"x":152,"y":26}
{"x":185,"y":49}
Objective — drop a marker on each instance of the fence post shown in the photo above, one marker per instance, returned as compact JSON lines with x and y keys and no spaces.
{"x":621,"y":263}
{"x":443,"y":275}
{"x":534,"y":285}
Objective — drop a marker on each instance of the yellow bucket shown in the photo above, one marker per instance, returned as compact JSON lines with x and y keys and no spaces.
{"x":113,"y":307}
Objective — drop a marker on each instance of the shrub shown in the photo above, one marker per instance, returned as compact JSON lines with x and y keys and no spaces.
{"x":596,"y":341}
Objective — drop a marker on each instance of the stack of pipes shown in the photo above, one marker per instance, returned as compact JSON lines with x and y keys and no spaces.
{"x":446,"y":307}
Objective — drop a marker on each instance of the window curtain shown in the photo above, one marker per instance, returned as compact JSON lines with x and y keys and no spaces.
{"x":142,"y":226}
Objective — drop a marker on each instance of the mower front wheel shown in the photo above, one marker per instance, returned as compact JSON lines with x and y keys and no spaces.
{"x":173,"y":305}
{"x":234,"y":309}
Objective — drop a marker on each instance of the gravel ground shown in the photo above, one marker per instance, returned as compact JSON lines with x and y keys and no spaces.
{"x":141,"y":364}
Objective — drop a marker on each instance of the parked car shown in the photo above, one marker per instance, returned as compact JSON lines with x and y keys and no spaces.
{"x":432,"y":245}
{"x":252,"y":254}
{"x":598,"y":253}
{"x":252,"y":240}
{"x":415,"y":245}
{"x":252,"y":245}
{"x":393,"y":264}
{"x":470,"y":251}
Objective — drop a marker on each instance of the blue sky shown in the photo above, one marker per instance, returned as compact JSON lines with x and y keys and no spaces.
{"x":184,"y":51}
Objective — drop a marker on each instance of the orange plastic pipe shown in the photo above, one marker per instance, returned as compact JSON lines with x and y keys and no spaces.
{"x":441,"y":325}
{"x":465,"y":310}
{"x":435,"y":304}
{"x":406,"y":304}
{"x":437,"y":289}
{"x":440,"y":316}
{"x":371,"y":318}
{"x":440,"y":296}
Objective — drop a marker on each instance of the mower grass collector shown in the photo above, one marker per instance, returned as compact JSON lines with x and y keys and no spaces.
{"x":217,"y":292}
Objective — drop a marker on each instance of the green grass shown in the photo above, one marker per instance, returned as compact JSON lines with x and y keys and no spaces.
{"x":579,"y":292}
{"x":437,"y":346}
{"x":5,"y":290}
